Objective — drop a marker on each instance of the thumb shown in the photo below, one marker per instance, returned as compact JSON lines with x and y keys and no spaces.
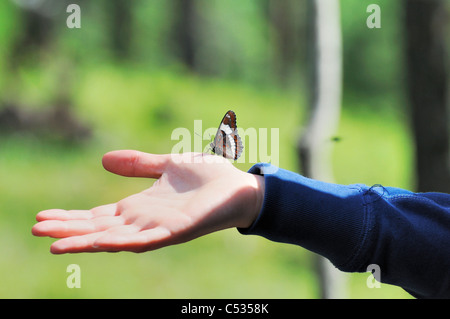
{"x":135,"y":164}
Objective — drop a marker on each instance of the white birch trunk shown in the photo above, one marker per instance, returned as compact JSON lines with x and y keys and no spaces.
{"x":315,"y":145}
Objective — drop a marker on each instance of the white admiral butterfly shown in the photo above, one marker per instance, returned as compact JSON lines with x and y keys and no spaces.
{"x":227,"y":141}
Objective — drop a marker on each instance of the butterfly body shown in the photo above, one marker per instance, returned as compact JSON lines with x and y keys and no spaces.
{"x":227,"y":142}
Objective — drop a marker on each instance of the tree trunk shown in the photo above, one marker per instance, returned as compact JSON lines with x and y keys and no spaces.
{"x":36,"y":35}
{"x":325,"y":58}
{"x":283,"y":16}
{"x":185,"y":31}
{"x":120,"y":27}
{"x":428,"y":92}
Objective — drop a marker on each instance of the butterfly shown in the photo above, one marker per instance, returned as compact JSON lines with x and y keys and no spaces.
{"x":227,"y":142}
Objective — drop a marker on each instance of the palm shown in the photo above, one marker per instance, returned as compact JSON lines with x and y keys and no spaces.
{"x":188,"y":200}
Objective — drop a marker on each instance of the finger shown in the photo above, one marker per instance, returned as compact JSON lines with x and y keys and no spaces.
{"x":86,"y":243}
{"x":66,"y":228}
{"x":61,"y":214}
{"x":76,"y":244}
{"x":135,"y":164}
{"x":123,"y":230}
{"x":138,"y":241}
{"x":105,"y":210}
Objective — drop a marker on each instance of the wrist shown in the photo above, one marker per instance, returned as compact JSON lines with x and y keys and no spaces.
{"x":254,"y":202}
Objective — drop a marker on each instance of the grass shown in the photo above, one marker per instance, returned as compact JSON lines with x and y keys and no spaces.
{"x":135,"y":109}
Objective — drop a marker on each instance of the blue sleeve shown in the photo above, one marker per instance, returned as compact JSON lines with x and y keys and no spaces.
{"x":406,"y":234}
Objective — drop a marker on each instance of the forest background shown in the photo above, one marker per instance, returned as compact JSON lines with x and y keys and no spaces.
{"x":134,"y":72}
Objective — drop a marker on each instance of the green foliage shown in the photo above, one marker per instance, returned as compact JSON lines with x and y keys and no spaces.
{"x":372,"y":57}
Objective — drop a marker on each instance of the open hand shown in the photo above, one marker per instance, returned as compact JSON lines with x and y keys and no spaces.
{"x":195,"y":194}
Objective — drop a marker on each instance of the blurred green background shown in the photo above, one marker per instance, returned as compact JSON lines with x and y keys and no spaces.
{"x":124,"y":81}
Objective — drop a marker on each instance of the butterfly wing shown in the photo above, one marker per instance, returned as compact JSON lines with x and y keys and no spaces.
{"x":217,"y":145}
{"x":233,"y":146}
{"x":227,"y":142}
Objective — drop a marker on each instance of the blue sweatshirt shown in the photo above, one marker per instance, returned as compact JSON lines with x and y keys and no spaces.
{"x":406,"y":234}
